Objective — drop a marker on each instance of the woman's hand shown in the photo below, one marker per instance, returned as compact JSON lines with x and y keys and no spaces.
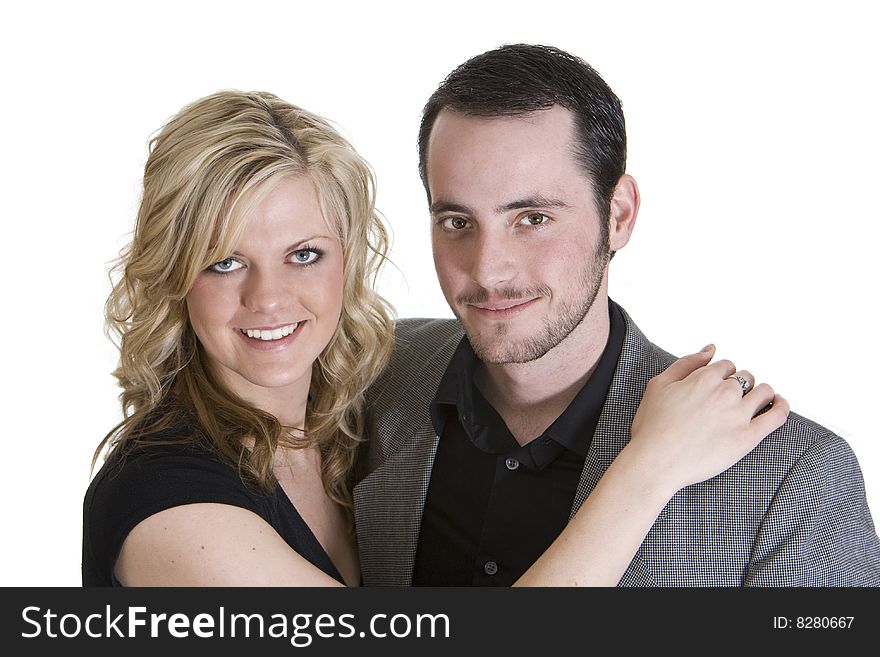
{"x":694,"y":421}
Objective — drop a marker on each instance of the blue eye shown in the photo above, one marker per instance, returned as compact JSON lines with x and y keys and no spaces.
{"x":306,"y":256}
{"x":225,"y":266}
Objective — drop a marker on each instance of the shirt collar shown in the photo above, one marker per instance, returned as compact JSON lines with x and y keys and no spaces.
{"x":575,"y":427}
{"x":456,"y":387}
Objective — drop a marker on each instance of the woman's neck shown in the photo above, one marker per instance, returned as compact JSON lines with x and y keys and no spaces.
{"x":287,"y":403}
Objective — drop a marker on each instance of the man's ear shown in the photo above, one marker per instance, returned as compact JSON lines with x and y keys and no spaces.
{"x":624,"y":209}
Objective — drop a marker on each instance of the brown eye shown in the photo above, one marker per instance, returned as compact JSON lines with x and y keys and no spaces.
{"x":455,"y":223}
{"x":535,"y":219}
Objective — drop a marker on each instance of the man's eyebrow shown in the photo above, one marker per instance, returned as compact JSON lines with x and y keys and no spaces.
{"x":445,"y":206}
{"x":535,"y":201}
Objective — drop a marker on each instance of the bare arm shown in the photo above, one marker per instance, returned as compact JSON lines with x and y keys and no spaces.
{"x":693,"y":423}
{"x":212,"y":545}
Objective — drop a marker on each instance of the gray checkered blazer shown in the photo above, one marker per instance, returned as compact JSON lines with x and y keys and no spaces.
{"x":791,"y":513}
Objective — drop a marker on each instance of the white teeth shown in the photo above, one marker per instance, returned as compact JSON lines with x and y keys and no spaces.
{"x":274,"y":334}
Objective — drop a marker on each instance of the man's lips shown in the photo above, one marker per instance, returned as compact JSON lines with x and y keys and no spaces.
{"x":503,"y":308}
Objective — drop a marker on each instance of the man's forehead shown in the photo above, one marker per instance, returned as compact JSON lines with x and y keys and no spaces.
{"x":463,"y":145}
{"x":451,"y":122}
{"x":508,"y":162}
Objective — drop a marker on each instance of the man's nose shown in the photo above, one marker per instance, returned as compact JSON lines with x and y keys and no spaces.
{"x":265,"y":291}
{"x":493,"y":259}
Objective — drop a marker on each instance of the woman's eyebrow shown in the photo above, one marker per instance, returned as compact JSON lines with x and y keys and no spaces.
{"x":318,"y":236}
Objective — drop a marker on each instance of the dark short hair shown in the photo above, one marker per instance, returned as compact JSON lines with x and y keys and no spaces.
{"x":519,"y":79}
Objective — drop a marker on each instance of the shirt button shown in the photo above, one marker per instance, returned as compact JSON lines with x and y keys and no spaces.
{"x":490,"y":568}
{"x":511,"y":463}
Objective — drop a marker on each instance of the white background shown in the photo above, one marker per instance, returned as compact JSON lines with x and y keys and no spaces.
{"x":752,"y":130}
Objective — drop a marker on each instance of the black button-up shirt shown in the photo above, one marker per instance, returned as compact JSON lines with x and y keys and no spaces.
{"x":493,"y":506}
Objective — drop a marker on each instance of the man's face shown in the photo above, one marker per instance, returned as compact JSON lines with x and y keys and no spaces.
{"x":518,"y":244}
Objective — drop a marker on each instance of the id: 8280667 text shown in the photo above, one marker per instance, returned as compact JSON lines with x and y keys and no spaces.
{"x":813,"y":622}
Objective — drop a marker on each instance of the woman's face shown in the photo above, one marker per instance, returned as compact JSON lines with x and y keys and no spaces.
{"x":264,"y":314}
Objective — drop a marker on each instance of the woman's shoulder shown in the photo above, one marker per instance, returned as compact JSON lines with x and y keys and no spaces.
{"x":166,"y":456}
{"x":167,"y":466}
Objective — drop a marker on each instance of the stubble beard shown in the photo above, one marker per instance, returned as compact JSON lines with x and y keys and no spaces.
{"x":497,"y":346}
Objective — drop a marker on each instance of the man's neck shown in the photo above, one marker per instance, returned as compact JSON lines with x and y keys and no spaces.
{"x":530,"y":396}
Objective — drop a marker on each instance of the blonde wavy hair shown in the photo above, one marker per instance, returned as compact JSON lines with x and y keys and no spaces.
{"x":202,"y":167}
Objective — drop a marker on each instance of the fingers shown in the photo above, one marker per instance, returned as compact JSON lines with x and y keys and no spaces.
{"x":768,"y":410}
{"x":758,"y":398}
{"x":723,"y":368}
{"x":766,"y":423}
{"x":687,"y":364}
{"x":743,"y":375}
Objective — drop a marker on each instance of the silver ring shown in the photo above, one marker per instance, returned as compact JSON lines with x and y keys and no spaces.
{"x":743,"y":382}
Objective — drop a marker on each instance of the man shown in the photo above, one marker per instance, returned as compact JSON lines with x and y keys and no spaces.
{"x":484,"y":446}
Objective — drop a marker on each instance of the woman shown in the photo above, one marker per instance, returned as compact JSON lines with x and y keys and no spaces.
{"x":248,"y":332}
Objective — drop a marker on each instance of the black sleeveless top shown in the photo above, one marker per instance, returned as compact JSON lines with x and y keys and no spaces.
{"x":152,"y":478}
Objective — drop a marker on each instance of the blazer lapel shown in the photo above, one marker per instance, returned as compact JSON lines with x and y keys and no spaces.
{"x":639,"y":361}
{"x":390,"y":499}
{"x":393,"y":497}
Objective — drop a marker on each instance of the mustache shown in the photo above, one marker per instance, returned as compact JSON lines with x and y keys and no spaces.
{"x":482,"y":295}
